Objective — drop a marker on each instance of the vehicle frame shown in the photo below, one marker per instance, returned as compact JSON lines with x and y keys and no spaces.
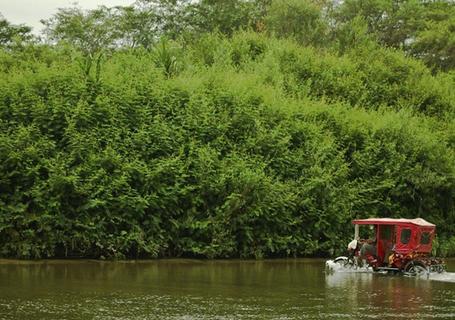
{"x":400,"y":245}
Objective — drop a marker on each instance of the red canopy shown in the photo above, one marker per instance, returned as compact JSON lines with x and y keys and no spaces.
{"x":410,"y":234}
{"x":418,"y":221}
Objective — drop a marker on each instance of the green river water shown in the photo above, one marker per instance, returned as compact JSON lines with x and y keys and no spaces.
{"x":193,"y":289}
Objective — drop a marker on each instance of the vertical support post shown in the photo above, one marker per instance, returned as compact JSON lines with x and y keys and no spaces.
{"x":356,"y":232}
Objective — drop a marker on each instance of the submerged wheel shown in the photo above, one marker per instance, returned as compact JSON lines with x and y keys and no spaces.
{"x":439,"y":269}
{"x":344,"y":261}
{"x":341,"y":260}
{"x":416,"y":268}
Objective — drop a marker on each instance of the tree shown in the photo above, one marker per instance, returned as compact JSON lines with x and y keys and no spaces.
{"x":424,"y":29}
{"x":301,"y":20}
{"x":169,"y":18}
{"x":435,"y":41}
{"x":93,"y":32}
{"x":436,"y":45}
{"x":227,"y":16}
{"x":136,"y":26}
{"x":375,"y":12}
{"x":174,"y":18}
{"x":10,"y":33}
{"x":353,"y":34}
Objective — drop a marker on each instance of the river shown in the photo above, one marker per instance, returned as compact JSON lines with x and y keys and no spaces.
{"x":194,"y":289}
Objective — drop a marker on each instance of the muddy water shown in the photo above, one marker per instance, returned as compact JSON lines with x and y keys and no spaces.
{"x":188,"y":289}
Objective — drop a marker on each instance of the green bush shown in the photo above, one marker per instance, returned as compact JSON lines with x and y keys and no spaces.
{"x":229,"y":147}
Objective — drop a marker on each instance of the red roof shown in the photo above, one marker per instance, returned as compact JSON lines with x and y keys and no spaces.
{"x":418,"y":221}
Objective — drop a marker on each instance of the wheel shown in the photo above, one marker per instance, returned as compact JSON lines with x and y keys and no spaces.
{"x":439,"y":269}
{"x":344,"y":262}
{"x":341,"y":260}
{"x":416,"y":268}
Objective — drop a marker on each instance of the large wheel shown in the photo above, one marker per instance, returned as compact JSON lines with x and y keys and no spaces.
{"x":416,"y":268}
{"x":344,"y":262}
{"x":340,"y":260}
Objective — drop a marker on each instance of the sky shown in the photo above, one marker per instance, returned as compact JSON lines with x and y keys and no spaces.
{"x":30,"y":12}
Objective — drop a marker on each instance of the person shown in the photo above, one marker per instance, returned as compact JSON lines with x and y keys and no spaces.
{"x":368,"y":249}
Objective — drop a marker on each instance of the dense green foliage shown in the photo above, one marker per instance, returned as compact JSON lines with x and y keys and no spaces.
{"x":224,"y":144}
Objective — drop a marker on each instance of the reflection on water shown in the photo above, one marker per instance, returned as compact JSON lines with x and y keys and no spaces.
{"x":188,"y":289}
{"x":387,"y":295}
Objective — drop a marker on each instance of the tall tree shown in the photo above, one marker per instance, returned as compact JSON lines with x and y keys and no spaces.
{"x":424,"y":29}
{"x":137,"y":26}
{"x":11,"y":33}
{"x":93,"y":32}
{"x":170,"y":17}
{"x":435,"y":42}
{"x":301,"y":20}
{"x":227,"y":16}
